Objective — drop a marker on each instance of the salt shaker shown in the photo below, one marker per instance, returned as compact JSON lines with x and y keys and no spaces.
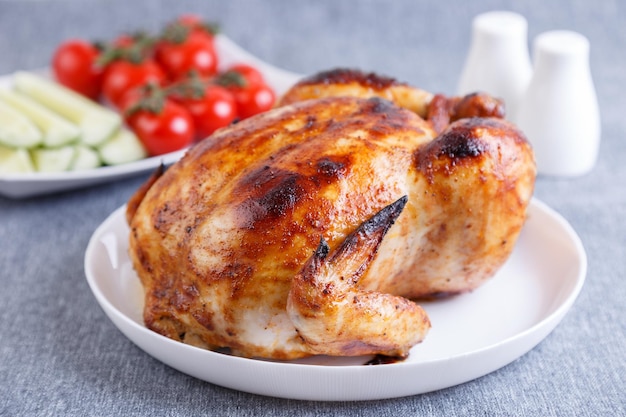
{"x":559,"y":112}
{"x":498,"y":61}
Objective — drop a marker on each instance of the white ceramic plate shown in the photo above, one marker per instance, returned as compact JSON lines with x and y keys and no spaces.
{"x":472,"y":334}
{"x":31,"y":184}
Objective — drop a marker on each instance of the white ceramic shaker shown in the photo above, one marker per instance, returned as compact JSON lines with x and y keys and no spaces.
{"x":498,"y":61}
{"x":559,"y":112}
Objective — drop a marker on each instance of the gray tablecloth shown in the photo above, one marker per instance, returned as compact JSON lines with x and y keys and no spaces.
{"x":60,"y":355}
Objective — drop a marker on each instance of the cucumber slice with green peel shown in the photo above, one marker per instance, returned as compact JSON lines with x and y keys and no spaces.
{"x":56,"y":130}
{"x":53,"y":159}
{"x":17,"y":130}
{"x":97,"y":123}
{"x":15,"y":160}
{"x":85,"y":158}
{"x":122,"y":148}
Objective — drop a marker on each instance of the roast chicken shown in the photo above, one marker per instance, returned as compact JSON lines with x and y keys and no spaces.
{"x":312,"y":229}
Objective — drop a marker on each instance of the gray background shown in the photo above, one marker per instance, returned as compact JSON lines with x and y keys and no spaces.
{"x":60,"y":355}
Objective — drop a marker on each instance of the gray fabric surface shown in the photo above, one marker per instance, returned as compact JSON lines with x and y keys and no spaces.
{"x":59,"y":353}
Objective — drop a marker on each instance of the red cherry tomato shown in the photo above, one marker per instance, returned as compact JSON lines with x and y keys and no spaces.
{"x":167,"y":130}
{"x":124,"y":41}
{"x":197,"y":25}
{"x":122,"y":76}
{"x":215,"y":109}
{"x":74,"y":66}
{"x":130,"y":98}
{"x":254,"y":99}
{"x":251,"y":75}
{"x":195,"y":53}
{"x":190,"y":20}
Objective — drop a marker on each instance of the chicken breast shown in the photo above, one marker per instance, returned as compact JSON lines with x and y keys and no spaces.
{"x":306,"y":230}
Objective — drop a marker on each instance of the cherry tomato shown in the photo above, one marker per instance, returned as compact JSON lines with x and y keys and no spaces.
{"x":74,"y":66}
{"x":195,"y":53}
{"x":190,"y":20}
{"x":167,"y":130}
{"x":253,"y":99}
{"x":133,"y":46}
{"x":215,"y":109}
{"x":131,"y":98}
{"x":197,"y":25}
{"x":251,"y":75}
{"x":124,"y":41}
{"x":122,"y":76}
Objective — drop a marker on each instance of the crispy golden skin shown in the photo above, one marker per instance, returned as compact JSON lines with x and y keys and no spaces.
{"x":303,"y":230}
{"x":335,"y":316}
{"x":437,"y":109}
{"x":344,"y":82}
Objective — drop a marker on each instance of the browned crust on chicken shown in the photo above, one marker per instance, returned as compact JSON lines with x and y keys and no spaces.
{"x":335,"y":316}
{"x":218,"y":238}
{"x":222,"y":237}
{"x":443,"y":110}
{"x":476,"y":180}
{"x":438,"y":109}
{"x":348,"y":76}
{"x":355,"y":83}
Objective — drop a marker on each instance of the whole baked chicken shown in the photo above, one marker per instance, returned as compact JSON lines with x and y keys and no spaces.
{"x":308,"y":229}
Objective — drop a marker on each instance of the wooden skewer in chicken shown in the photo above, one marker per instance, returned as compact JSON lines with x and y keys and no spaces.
{"x":306,"y":230}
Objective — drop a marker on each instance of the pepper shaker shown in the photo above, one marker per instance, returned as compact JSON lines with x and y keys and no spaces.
{"x":559,"y":112}
{"x":498,"y":61}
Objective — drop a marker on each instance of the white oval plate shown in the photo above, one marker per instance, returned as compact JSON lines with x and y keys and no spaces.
{"x":472,"y":334}
{"x":18,"y":185}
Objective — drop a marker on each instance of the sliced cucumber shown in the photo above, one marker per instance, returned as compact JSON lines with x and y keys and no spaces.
{"x":16,"y":129}
{"x":97,"y":123}
{"x":85,"y":158}
{"x":123,"y":147}
{"x":53,"y":159}
{"x":56,"y":130}
{"x":15,"y":160}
